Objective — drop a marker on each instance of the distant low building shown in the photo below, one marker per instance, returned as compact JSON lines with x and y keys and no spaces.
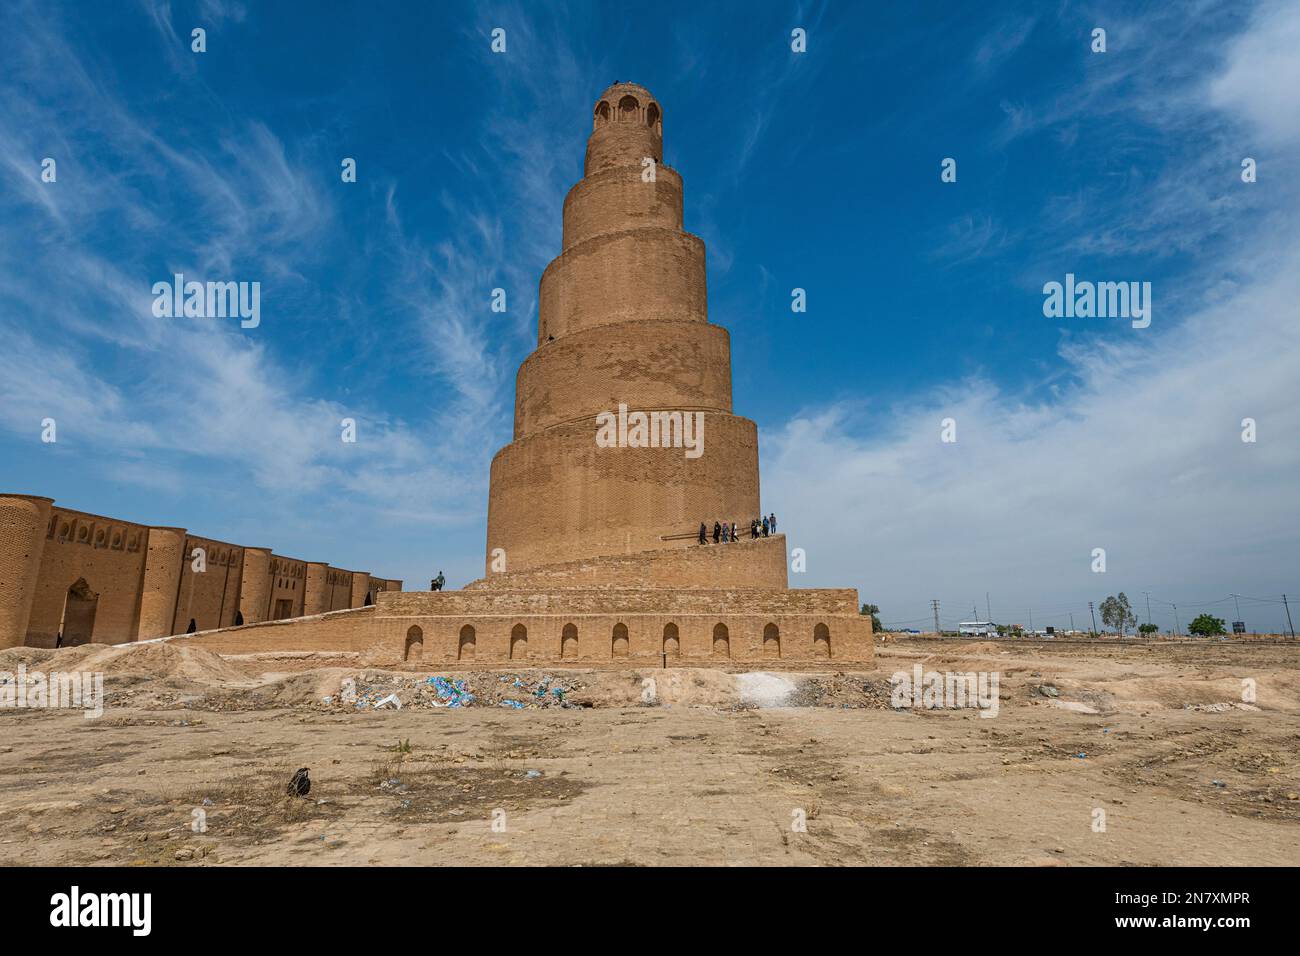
{"x":978,"y":628}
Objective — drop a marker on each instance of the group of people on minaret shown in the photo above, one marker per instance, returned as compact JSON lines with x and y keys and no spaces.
{"x":724,"y":533}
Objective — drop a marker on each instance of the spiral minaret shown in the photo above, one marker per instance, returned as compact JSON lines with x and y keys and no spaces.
{"x":622,"y":319}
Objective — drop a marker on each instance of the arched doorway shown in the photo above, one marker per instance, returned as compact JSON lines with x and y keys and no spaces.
{"x":518,"y":642}
{"x":672,"y":641}
{"x":620,"y":640}
{"x":821,"y":641}
{"x":414,"y":644}
{"x":79,"y":607}
{"x":569,"y":641}
{"x":467,"y":644}
{"x":771,"y":641}
{"x":721,"y":641}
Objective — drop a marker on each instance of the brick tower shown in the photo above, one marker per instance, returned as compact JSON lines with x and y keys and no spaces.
{"x":593,"y":553}
{"x":623,"y":321}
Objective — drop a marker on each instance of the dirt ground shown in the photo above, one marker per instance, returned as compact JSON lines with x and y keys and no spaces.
{"x":1098,"y":754}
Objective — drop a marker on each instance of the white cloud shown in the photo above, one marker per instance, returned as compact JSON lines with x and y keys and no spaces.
{"x":1142,"y":457}
{"x":1261,"y":79}
{"x":1139,"y":452}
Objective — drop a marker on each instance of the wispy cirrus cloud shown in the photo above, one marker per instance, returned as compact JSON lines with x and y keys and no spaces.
{"x":1139,"y":448}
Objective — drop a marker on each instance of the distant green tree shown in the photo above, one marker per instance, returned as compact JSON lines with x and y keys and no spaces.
{"x":874,"y":611}
{"x":1118,"y":613}
{"x":1149,"y":628}
{"x":1207,"y":625}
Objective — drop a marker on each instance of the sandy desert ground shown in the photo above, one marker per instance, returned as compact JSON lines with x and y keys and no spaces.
{"x":188,"y":764}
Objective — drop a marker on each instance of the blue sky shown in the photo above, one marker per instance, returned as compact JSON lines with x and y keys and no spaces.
{"x":817,"y":170}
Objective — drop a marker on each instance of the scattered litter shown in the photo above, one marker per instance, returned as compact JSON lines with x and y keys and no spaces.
{"x":390,"y":699}
{"x":451,"y":693}
{"x":529,"y":693}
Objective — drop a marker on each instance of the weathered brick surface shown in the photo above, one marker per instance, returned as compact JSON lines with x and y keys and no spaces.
{"x":634,"y":275}
{"x":558,"y":496}
{"x":619,"y":198}
{"x":705,"y":627}
{"x":626,"y":125}
{"x":143,"y":581}
{"x":646,"y":365}
{"x":350,"y":630}
{"x":752,"y":564}
{"x":23,"y":520}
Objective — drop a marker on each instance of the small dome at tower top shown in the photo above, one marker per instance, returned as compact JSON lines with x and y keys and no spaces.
{"x":623,"y":88}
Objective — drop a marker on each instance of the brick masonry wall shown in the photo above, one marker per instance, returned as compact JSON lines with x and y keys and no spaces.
{"x":619,"y":136}
{"x":209,"y":597}
{"x":350,"y":630}
{"x":707,"y":628}
{"x":725,"y":638}
{"x":617,"y":199}
{"x":255,"y":585}
{"x":109,"y":555}
{"x":288,"y":583}
{"x":645,"y":273}
{"x":558,"y":496}
{"x":645,"y":365}
{"x":141,"y":578}
{"x":23,"y":523}
{"x":339,"y":589}
{"x":747,"y":563}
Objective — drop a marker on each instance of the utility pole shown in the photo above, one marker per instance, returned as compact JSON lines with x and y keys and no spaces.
{"x":1178,"y":628}
{"x":935,"y":604}
{"x":1288,"y":617}
{"x":1071,"y":620}
{"x":1148,"y":594}
{"x":988,"y":608}
{"x":1094,"y":618}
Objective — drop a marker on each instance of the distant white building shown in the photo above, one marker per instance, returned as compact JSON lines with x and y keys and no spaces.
{"x":979,"y":628}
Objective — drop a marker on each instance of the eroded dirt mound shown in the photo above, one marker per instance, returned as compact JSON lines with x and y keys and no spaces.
{"x":30,"y":657}
{"x":163,"y":660}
